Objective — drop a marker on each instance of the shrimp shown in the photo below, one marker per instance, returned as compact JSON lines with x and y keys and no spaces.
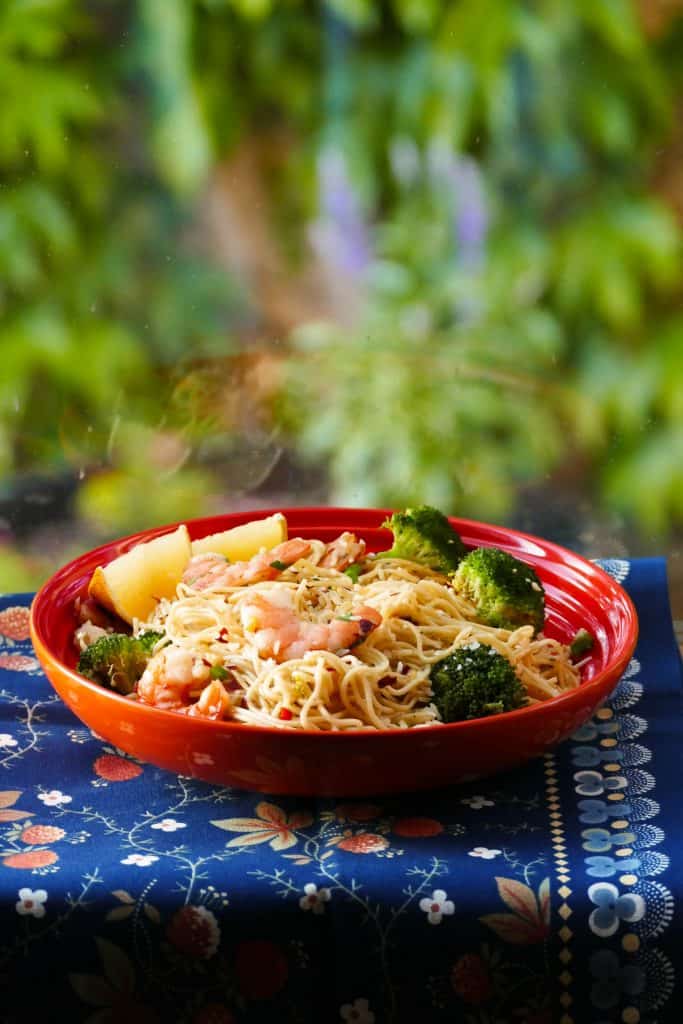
{"x":172,"y":679}
{"x":211,"y":571}
{"x":280,"y":634}
{"x":214,"y":702}
{"x":342,"y":552}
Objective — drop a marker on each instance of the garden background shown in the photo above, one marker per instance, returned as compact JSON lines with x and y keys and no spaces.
{"x":260,"y":253}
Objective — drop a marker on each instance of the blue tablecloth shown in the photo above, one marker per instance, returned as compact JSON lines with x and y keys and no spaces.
{"x":553,"y":893}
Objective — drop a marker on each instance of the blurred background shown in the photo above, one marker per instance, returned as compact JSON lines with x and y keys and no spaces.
{"x":262,"y":253}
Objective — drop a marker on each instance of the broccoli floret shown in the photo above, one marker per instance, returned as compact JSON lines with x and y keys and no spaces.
{"x":117,"y":659}
{"x":473,"y":682}
{"x":506,"y":593}
{"x":582,"y":643}
{"x":424,"y":535}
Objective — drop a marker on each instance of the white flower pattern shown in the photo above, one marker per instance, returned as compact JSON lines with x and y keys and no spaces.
{"x":169,"y":825}
{"x":31,"y":902}
{"x":436,"y":905}
{"x":314,"y":898}
{"x":484,"y":852}
{"x":477,"y":802}
{"x":141,"y":860}
{"x":54,"y":797}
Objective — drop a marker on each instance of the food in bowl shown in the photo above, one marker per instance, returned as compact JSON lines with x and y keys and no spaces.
{"x":253,"y":626}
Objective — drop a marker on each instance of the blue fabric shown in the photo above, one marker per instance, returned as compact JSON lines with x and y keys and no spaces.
{"x":553,"y":893}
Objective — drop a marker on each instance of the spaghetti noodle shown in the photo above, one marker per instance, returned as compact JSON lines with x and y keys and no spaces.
{"x":312,"y":649}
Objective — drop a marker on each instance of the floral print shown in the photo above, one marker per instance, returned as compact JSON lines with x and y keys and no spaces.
{"x":612,"y":908}
{"x":31,"y":902}
{"x":471,"y":979}
{"x":271,"y":825}
{"x":436,"y":905}
{"x":54,"y":797}
{"x":612,"y":978}
{"x":477,"y":802}
{"x":590,"y":783}
{"x":14,"y":623}
{"x":314,"y":899}
{"x":114,"y":768}
{"x":194,"y":931}
{"x":169,"y":825}
{"x":215,"y":906}
{"x":141,"y":860}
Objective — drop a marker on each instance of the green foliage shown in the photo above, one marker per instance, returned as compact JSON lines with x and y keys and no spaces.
{"x":101,"y":293}
{"x":462,"y":378}
{"x":515,"y":281}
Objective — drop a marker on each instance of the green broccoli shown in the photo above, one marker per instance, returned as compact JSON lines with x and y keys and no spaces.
{"x":424,"y":535}
{"x":506,"y":593}
{"x":117,"y":659}
{"x":473,"y":682}
{"x":582,"y":642}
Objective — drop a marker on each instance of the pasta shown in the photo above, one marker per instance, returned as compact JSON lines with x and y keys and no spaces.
{"x":313,"y":649}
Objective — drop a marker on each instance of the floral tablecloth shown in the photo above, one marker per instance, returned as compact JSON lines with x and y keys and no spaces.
{"x":551,"y":894}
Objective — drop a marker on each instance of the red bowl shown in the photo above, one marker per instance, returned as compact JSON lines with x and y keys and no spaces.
{"x":358,"y":762}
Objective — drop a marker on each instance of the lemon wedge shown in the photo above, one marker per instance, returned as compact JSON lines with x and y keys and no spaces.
{"x":243,"y":542}
{"x":132,"y":584}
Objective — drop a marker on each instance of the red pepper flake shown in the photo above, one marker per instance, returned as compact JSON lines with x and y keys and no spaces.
{"x":223,"y":636}
{"x":285,"y":714}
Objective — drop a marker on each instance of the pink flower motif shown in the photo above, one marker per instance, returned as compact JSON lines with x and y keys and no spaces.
{"x":41,"y":835}
{"x":116,"y":769}
{"x":18,"y":663}
{"x":169,"y":825}
{"x":271,"y":826}
{"x":14,"y":623}
{"x":364,"y":842}
{"x":194,"y":931}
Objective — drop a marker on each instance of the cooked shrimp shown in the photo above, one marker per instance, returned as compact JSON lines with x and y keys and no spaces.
{"x":280,"y":634}
{"x":172,"y":679}
{"x":342,"y":552}
{"x":214,"y":702}
{"x":211,"y":571}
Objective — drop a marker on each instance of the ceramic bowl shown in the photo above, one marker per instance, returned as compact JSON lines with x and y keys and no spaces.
{"x":360,"y":762}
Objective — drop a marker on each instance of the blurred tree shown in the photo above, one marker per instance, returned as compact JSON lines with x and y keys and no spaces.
{"x":504,"y":279}
{"x":456,"y":212}
{"x":102,"y":290}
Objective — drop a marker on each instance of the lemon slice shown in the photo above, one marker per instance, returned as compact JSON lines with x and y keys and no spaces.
{"x":132,"y":584}
{"x":242,"y":542}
